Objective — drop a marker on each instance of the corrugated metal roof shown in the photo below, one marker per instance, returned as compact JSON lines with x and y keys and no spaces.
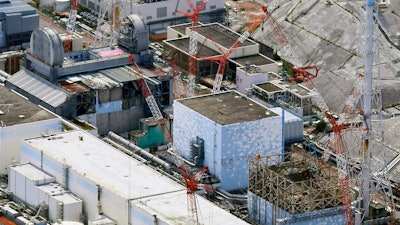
{"x":38,"y":87}
{"x":119,"y":74}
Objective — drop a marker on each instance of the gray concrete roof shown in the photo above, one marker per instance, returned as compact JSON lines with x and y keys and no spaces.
{"x":18,"y":110}
{"x":227,"y":108}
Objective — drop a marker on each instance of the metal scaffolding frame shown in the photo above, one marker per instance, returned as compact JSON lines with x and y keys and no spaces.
{"x":296,"y":182}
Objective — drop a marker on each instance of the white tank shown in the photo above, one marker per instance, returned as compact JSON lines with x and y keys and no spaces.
{"x":61,"y":5}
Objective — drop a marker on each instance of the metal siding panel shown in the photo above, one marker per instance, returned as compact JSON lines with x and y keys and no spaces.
{"x":86,"y":190}
{"x":29,"y":22}
{"x":20,"y":186}
{"x":13,"y":23}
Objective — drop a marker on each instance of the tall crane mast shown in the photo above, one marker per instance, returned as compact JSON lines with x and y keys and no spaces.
{"x":192,"y":186}
{"x":193,"y":42}
{"x":72,"y":16}
{"x":337,"y":146}
{"x":177,"y":80}
{"x":222,"y":59}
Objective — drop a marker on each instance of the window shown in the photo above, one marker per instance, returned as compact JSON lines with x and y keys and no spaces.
{"x":149,"y":17}
{"x":161,"y":12}
{"x":213,"y":7}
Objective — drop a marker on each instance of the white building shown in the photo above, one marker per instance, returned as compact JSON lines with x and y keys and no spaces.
{"x":19,"y":118}
{"x":115,"y":185}
{"x":233,"y":128}
{"x":160,"y":14}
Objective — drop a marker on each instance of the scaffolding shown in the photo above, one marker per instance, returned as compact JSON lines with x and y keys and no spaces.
{"x":296,"y":182}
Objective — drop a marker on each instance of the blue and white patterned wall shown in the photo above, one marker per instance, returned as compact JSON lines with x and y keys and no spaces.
{"x":262,"y":211}
{"x":228,"y":147}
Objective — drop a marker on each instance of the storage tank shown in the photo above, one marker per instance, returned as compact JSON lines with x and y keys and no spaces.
{"x":61,"y":5}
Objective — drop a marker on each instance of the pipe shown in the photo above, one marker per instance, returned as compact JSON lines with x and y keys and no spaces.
{"x":180,"y":158}
{"x":136,"y":149}
{"x":230,"y":196}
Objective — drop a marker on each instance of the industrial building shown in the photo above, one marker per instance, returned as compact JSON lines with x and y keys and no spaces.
{"x":211,"y":38}
{"x":96,"y":85}
{"x":277,"y":92}
{"x":158,"y":15}
{"x":33,"y":187}
{"x":232,"y":128}
{"x":294,"y":188}
{"x":20,"y":118}
{"x":18,"y":20}
{"x":114,"y":185}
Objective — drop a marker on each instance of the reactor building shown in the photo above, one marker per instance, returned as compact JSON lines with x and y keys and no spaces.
{"x":95,"y":85}
{"x":111,"y":184}
{"x":232,"y":128}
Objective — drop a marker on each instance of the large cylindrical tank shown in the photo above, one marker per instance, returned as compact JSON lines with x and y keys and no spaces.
{"x":61,"y":5}
{"x":46,"y":45}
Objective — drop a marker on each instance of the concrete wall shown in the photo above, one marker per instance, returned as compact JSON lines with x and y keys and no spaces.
{"x":263,"y":212}
{"x":81,"y":186}
{"x":10,"y":138}
{"x":244,"y":80}
{"x":227,"y":148}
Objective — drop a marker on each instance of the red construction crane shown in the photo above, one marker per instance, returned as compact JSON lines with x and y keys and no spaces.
{"x":179,"y":93}
{"x":193,"y":42}
{"x":280,"y":36}
{"x":336,"y":145}
{"x":302,"y":74}
{"x":192,"y":186}
{"x":151,"y":101}
{"x":222,"y":59}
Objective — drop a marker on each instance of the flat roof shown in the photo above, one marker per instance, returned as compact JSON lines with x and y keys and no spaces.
{"x":127,"y":177}
{"x":221,"y":35}
{"x":166,"y":209}
{"x":181,"y":28}
{"x":269,"y":87}
{"x":257,"y":59}
{"x":31,"y":172}
{"x":18,"y":110}
{"x":96,"y":159}
{"x":227,"y":108}
{"x":183,"y":45}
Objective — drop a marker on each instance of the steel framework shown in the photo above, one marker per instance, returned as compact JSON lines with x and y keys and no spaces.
{"x":296,"y":182}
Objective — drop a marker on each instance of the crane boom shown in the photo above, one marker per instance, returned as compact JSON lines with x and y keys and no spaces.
{"x":222,"y":59}
{"x":281,"y":37}
{"x":148,"y":96}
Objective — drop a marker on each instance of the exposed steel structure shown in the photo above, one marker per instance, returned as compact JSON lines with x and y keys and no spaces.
{"x":193,"y":42}
{"x":148,"y":96}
